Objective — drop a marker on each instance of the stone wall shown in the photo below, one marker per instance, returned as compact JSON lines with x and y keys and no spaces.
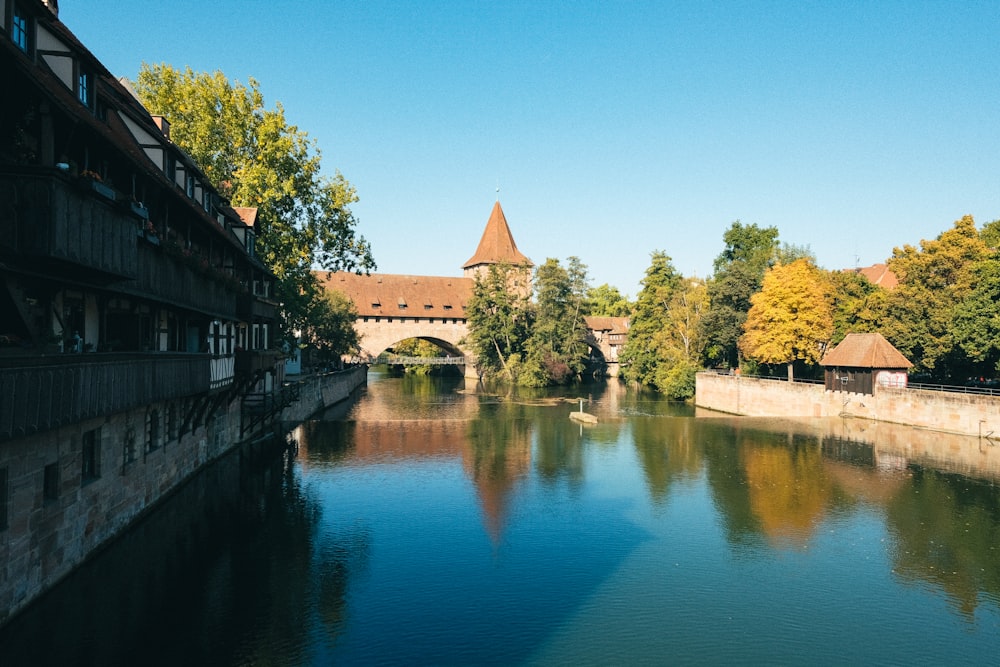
{"x":52,"y":527}
{"x":318,"y":392}
{"x":967,"y":414}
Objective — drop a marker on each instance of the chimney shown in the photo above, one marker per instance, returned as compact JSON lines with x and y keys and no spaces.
{"x":163,"y":124}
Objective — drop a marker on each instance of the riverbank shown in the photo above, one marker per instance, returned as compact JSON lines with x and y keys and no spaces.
{"x":71,"y":491}
{"x":963,"y":414}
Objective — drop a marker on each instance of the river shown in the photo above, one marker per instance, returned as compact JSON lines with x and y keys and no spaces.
{"x":430,"y":524}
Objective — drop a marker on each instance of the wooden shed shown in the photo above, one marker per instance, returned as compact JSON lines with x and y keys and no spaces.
{"x":861,"y":361}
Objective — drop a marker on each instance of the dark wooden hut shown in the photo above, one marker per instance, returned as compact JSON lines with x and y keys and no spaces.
{"x":861,"y":361}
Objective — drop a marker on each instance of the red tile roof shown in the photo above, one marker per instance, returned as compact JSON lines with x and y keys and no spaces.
{"x":878,"y":274}
{"x":388,"y":295}
{"x":865,"y":350}
{"x":497,"y":244}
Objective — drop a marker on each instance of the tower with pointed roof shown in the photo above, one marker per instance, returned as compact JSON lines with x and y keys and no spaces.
{"x":497,"y":246}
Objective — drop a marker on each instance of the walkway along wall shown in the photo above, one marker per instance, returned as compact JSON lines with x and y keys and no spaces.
{"x":55,"y":524}
{"x":964,"y":414}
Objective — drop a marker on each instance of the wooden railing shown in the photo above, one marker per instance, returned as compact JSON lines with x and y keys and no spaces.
{"x":59,"y":390}
{"x":47,"y":215}
{"x":250,"y":308}
{"x":169,"y":279}
{"x":249,"y":362}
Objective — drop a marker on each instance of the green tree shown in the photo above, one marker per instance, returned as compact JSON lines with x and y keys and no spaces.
{"x":556,"y":351}
{"x":990,"y":235}
{"x":933,"y":280}
{"x":639,"y":358}
{"x":500,"y":322}
{"x":790,"y":318}
{"x":739,"y":271}
{"x":858,"y":304}
{"x":679,"y":344}
{"x":329,"y":325}
{"x":606,"y":301}
{"x":975,"y":327}
{"x":259,"y":160}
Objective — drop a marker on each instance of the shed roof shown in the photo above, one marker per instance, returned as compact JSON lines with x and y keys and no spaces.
{"x":497,"y":243}
{"x":865,"y":350}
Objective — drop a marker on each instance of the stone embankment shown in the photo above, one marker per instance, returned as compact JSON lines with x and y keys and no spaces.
{"x":318,"y":392}
{"x":946,"y":412}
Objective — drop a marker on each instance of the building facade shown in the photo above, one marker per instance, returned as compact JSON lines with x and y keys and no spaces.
{"x":134,"y":314}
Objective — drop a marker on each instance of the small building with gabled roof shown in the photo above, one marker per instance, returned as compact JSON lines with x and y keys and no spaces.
{"x":861,"y":361}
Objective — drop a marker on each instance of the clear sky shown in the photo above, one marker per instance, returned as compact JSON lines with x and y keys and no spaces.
{"x":612,"y":128}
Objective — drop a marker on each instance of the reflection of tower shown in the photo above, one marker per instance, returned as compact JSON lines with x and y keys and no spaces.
{"x":495,"y":468}
{"x":497,"y":247}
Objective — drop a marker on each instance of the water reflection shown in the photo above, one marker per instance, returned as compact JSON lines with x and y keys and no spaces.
{"x":435,"y":522}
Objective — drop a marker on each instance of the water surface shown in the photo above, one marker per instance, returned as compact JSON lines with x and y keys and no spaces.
{"x":428,"y":524}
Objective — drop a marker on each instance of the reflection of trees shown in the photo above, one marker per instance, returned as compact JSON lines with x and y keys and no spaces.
{"x":948,"y":533}
{"x":764,"y":482}
{"x":788,"y":489}
{"x":667,"y":451}
{"x":558,"y":451}
{"x":727,"y":479}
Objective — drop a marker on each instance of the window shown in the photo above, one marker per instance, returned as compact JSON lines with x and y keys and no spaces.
{"x":128,"y":446}
{"x":19,"y":29}
{"x":83,"y":88}
{"x":172,"y":421}
{"x":206,"y":201}
{"x":189,"y":186}
{"x":50,"y":482}
{"x":4,"y":493}
{"x":91,"y":450}
{"x":152,"y":430}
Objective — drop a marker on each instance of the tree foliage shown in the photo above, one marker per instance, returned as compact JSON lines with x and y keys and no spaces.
{"x":933,"y":280}
{"x":555,"y":349}
{"x":606,"y":301}
{"x":500,"y":321}
{"x":975,"y":327}
{"x":739,"y":271}
{"x":257,"y":159}
{"x":639,"y":358}
{"x":790,"y":318}
{"x":858,"y":304}
{"x":329,"y":325}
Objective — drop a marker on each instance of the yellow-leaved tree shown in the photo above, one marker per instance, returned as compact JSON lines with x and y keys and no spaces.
{"x":790,"y":318}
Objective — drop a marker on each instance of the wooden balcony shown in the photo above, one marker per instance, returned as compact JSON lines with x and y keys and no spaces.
{"x":250,"y":362}
{"x":46,"y":392}
{"x":49,"y":218}
{"x":165,"y":278}
{"x":251,"y":308}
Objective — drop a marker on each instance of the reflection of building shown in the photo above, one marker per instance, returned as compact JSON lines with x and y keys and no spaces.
{"x":133,"y":310}
{"x":493,"y":462}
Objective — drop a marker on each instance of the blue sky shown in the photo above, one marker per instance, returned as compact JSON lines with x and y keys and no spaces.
{"x":612,"y":128}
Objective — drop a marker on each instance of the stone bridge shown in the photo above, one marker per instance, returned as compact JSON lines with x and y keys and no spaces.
{"x":392,"y":308}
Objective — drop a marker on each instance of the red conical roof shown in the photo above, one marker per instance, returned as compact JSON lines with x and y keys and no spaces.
{"x":497,"y":244}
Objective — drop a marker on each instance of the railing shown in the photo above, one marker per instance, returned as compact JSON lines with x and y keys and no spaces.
{"x":955,"y":389}
{"x":166,"y":278}
{"x":222,"y":371}
{"x":49,"y":215}
{"x":395,"y":360}
{"x":42,"y":396}
{"x":249,"y":362}
{"x":250,"y":308}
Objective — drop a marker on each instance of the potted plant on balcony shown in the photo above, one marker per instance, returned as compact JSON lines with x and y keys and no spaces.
{"x":139,"y":209}
{"x":96,"y":183}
